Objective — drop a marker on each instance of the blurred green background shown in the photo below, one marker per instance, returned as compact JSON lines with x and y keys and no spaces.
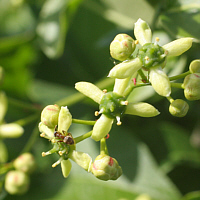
{"x":46,"y":46}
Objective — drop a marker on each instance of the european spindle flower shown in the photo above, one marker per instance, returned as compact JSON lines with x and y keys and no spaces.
{"x":152,"y":57}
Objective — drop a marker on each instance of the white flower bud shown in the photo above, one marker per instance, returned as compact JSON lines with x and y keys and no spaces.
{"x":64,"y":119}
{"x":179,"y":108}
{"x":195,"y":66}
{"x":11,"y":130}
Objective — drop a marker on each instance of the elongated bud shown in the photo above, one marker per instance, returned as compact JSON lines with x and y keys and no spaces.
{"x":179,"y":108}
{"x":101,"y":127}
{"x":195,"y":66}
{"x":179,"y":46}
{"x":125,"y":69}
{"x":191,"y":86}
{"x":64,"y":119}
{"x":122,"y":47}
{"x":142,"y":32}
{"x":66,"y":167}
{"x":25,"y":163}
{"x":90,"y":90}
{"x":82,"y":159}
{"x":11,"y":130}
{"x":141,"y":109}
{"x":16,"y":182}
{"x":160,"y":82}
{"x":49,"y":115}
{"x":3,"y":105}
{"x":106,"y":168}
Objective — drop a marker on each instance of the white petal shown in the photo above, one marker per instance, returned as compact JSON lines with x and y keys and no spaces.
{"x":141,"y":109}
{"x":90,"y":90}
{"x":66,"y":167}
{"x":160,"y":81}
{"x":179,"y":46}
{"x":125,"y":69}
{"x":102,"y":127}
{"x":142,"y":32}
{"x":64,"y":119}
{"x":120,"y":85}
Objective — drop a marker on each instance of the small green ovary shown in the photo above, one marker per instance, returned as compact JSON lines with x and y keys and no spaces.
{"x":112,"y":105}
{"x":151,"y":55}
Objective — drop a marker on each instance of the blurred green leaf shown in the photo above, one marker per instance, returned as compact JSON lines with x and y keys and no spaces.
{"x":192,"y":196}
{"x":183,"y":20}
{"x":53,"y":25}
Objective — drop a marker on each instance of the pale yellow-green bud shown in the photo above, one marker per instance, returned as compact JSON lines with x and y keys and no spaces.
{"x":25,"y":163}
{"x":141,"y":109}
{"x":11,"y":130}
{"x":160,"y":81}
{"x":125,"y":69}
{"x":122,"y":47}
{"x":106,"y":168}
{"x":82,"y":159}
{"x":142,"y":32}
{"x":16,"y":182}
{"x":3,"y":105}
{"x":49,"y":115}
{"x":195,"y":66}
{"x":90,"y":90}
{"x":101,"y":127}
{"x":191,"y":86}
{"x":64,"y":119}
{"x":66,"y":167}
{"x":179,"y":108}
{"x":179,"y":46}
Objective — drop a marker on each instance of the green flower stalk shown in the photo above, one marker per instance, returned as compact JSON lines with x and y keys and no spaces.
{"x":152,"y":57}
{"x":62,"y":141}
{"x":112,"y":105}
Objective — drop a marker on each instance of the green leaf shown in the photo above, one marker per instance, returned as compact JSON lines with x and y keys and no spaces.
{"x":183,"y":20}
{"x":192,"y":196}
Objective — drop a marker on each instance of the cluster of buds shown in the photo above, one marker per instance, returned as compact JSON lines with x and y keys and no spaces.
{"x":17,"y":180}
{"x":137,"y":57}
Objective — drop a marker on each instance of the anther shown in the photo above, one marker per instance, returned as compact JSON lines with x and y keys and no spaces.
{"x":146,"y":58}
{"x":96,"y":113}
{"x":124,"y":103}
{"x":57,"y":163}
{"x":42,"y":135}
{"x":157,"y":39}
{"x":118,"y":121}
{"x":45,"y":154}
{"x":104,"y":90}
{"x":136,"y":42}
{"x":53,"y":140}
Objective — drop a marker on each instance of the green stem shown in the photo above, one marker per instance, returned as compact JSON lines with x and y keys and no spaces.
{"x":83,"y":137}
{"x":177,"y":85}
{"x":183,"y":75}
{"x":86,"y":122}
{"x":27,"y":120}
{"x":5,"y":167}
{"x":103,"y":147}
{"x":170,"y":99}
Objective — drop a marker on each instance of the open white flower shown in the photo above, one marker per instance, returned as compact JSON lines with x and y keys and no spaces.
{"x":152,"y":57}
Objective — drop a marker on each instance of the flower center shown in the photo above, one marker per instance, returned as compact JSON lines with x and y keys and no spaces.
{"x":112,"y":105}
{"x":151,"y":55}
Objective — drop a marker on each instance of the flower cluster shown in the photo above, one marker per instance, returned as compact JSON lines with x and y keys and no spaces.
{"x":137,"y":58}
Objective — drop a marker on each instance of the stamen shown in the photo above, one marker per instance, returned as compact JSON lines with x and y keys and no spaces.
{"x":118,"y":121}
{"x":96,"y":113}
{"x":104,"y":90}
{"x":42,"y":135}
{"x":45,"y":153}
{"x":136,"y":42}
{"x":57,"y":163}
{"x":53,"y":140}
{"x":146,"y":58}
{"x":157,"y":39}
{"x":124,"y":103}
{"x":62,"y":152}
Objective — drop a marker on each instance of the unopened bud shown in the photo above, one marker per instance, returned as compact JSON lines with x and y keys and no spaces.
{"x":195,"y":66}
{"x":49,"y":115}
{"x":16,"y":182}
{"x":191,"y":86}
{"x":106,"y":168}
{"x":122,"y":47}
{"x":25,"y":163}
{"x":179,"y":108}
{"x":11,"y":130}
